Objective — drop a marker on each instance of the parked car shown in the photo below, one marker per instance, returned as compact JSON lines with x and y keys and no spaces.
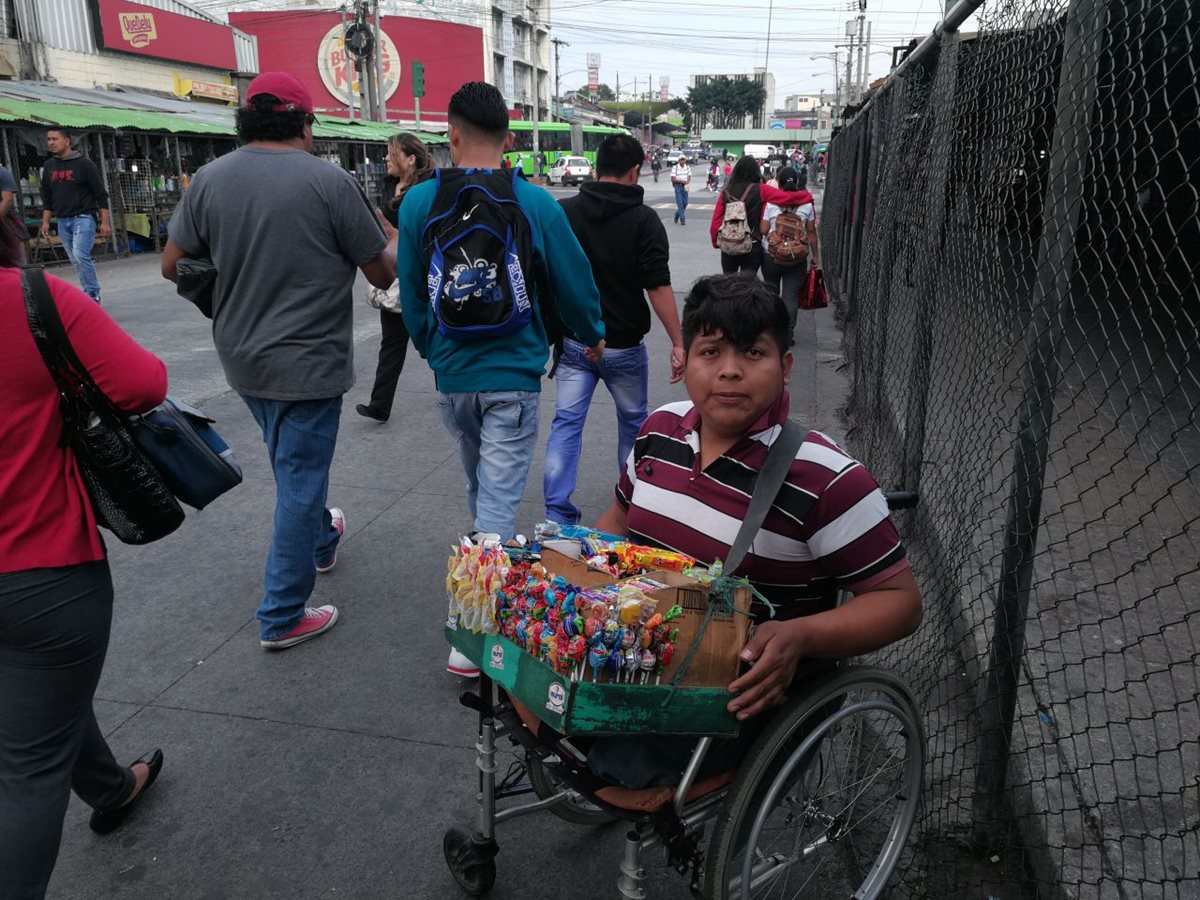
{"x":570,"y":170}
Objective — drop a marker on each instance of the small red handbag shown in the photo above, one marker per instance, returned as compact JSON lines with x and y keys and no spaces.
{"x":812,"y":295}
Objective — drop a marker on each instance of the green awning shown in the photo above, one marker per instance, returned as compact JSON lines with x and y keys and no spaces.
{"x":76,"y":115}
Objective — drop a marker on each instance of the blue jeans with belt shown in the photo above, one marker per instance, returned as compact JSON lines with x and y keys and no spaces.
{"x":300,"y":436}
{"x":78,"y":234}
{"x":625,"y":374}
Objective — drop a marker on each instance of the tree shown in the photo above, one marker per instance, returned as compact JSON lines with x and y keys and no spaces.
{"x":725,"y":102}
{"x":685,"y":111}
{"x":603,"y":93}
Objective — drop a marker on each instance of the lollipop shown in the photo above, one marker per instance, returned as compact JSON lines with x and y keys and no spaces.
{"x":613,"y":664}
{"x":665,"y":653}
{"x":597,"y":657}
{"x":576,"y":650}
{"x":632,"y":660}
{"x":647,"y":664}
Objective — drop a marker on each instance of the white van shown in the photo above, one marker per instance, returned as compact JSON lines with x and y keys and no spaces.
{"x":761,"y":152}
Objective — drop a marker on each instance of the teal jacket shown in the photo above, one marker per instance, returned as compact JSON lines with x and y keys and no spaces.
{"x":515,"y":362}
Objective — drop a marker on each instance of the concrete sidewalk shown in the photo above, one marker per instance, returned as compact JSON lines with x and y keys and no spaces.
{"x":333,"y":769}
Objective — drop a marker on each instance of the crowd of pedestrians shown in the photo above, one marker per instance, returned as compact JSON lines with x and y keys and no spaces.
{"x":492,"y":278}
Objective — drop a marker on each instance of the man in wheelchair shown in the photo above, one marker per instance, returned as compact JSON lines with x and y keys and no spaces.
{"x":687,"y":486}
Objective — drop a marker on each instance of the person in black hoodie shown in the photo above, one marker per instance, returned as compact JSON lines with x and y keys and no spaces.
{"x":73,"y":191}
{"x":627,"y":245}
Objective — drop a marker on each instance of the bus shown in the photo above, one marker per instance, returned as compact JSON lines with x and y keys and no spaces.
{"x":556,"y":139}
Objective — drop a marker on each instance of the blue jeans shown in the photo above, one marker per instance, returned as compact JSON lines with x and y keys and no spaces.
{"x":496,"y":433}
{"x":681,"y":198}
{"x":625,"y":373}
{"x":78,"y":234}
{"x":300,"y":436}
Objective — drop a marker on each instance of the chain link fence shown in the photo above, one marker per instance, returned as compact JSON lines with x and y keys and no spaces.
{"x":1010,"y":233}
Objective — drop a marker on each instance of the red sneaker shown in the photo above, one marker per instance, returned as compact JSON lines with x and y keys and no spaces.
{"x":315,"y":621}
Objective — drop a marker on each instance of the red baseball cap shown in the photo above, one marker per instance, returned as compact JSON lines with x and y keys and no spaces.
{"x":292,"y":95}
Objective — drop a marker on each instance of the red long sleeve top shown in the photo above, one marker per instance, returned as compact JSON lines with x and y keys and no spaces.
{"x":769,"y":195}
{"x":46,"y":519}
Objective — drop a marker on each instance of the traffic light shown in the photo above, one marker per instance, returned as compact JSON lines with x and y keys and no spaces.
{"x":418,"y":79}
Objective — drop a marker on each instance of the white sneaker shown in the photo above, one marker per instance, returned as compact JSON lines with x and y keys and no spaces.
{"x":461,"y":666}
{"x":338,"y":521}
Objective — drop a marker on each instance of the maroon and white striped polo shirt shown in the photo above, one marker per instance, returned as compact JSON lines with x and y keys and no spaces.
{"x":827,"y":529}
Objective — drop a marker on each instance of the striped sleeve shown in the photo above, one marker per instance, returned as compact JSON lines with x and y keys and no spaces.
{"x":850,"y":534}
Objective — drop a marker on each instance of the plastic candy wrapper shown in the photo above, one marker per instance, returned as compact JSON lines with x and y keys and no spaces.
{"x":667,"y":560}
{"x":473,"y":573}
{"x":610,"y":633}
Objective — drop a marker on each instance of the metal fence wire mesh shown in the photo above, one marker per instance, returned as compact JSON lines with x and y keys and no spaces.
{"x":1011,"y":238}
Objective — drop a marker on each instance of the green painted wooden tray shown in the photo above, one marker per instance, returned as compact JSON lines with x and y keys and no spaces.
{"x":583,"y":707}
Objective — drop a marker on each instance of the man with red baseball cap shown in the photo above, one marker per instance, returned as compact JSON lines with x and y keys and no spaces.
{"x":286,"y":232}
{"x":290,"y":95}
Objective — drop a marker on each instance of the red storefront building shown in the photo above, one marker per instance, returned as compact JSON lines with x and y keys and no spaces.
{"x":309,"y":45}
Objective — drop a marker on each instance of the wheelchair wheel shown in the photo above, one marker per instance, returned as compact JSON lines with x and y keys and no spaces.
{"x":576,"y":810}
{"x":826,"y":798}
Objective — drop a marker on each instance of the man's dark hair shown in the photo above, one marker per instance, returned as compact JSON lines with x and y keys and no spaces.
{"x":478,"y":107}
{"x":260,"y":121}
{"x":617,"y":154}
{"x":738,"y":306}
{"x":65,"y":132}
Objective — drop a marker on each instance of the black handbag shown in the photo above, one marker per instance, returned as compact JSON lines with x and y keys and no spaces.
{"x":129,"y":496}
{"x":195,"y":279}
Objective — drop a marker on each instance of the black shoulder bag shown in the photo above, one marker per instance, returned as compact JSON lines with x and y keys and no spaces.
{"x":129,"y":496}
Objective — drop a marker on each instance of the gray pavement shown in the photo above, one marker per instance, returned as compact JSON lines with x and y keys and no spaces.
{"x":333,"y":769}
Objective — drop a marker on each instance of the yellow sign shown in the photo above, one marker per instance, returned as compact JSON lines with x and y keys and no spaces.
{"x":214,"y":91}
{"x":138,"y":28}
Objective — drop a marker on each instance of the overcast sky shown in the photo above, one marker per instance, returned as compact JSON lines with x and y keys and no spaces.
{"x":641,"y":38}
{"x":652,"y":38}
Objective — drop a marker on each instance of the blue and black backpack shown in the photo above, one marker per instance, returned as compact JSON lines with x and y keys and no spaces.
{"x":479,"y":256}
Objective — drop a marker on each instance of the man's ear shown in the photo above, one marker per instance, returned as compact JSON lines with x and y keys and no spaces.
{"x":509,"y":140}
{"x":787,"y":366}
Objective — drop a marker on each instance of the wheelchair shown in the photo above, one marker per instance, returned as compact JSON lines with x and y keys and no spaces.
{"x":822,"y":803}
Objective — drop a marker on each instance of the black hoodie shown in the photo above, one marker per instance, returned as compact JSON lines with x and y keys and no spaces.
{"x":627,"y":245}
{"x":73,"y":186}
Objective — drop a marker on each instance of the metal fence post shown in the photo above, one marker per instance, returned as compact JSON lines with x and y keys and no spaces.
{"x":937,"y":203}
{"x":1042,"y":368}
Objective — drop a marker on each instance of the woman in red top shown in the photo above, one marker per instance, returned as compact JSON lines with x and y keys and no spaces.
{"x":56,"y":593}
{"x":746,"y":184}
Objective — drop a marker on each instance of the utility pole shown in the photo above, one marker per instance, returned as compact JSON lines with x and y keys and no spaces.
{"x":533,"y":40}
{"x":349,"y":69}
{"x":861,"y":85}
{"x":558,"y":43}
{"x":649,"y":103}
{"x":380,"y":100}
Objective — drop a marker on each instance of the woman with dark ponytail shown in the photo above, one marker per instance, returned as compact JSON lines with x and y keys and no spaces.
{"x":408,"y":162}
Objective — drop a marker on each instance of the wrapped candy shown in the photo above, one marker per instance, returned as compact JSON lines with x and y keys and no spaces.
{"x":647,"y":663}
{"x":597,"y":657}
{"x":632,"y":660}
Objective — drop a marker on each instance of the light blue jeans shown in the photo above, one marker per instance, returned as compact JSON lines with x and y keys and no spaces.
{"x":681,"y":201}
{"x":496,"y":433}
{"x":300,"y":436}
{"x":78,"y":234}
{"x":625,"y":374}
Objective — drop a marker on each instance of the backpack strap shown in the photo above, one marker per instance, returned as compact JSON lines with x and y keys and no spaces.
{"x":746,"y":192}
{"x":767,"y":484}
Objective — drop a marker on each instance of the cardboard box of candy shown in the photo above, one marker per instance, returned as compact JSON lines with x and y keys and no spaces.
{"x":592,"y":652}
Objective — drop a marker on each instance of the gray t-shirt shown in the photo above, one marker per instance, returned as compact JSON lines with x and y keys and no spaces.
{"x":286,"y":232}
